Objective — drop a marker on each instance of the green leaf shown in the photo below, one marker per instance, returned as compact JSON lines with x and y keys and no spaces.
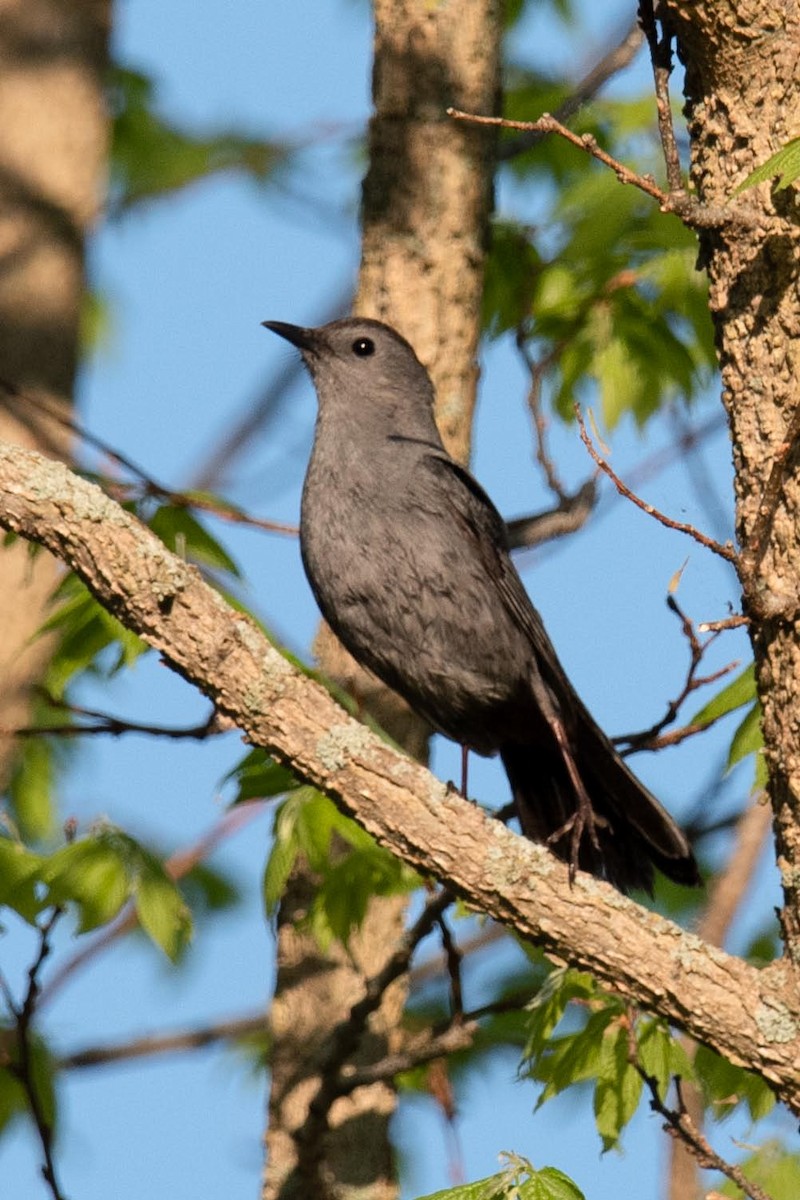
{"x":85,"y":631}
{"x":773,"y":1169}
{"x":549,"y":1184}
{"x":510,"y":278}
{"x":151,"y":157}
{"x":209,"y":888}
{"x":739,"y":691}
{"x":572,"y":1058}
{"x":349,"y":884}
{"x":161,"y":909}
{"x":748,"y":738}
{"x":661,"y":1055}
{"x":14,"y":1101}
{"x":725,"y":1086}
{"x":281,"y":858}
{"x":562,"y":985}
{"x":19,"y":877}
{"x":493,"y":1187}
{"x":259,"y":777}
{"x":351,"y":869}
{"x":101,"y":872}
{"x":784,"y":163}
{"x":30,"y":789}
{"x":91,"y":874}
{"x":618,"y":1088}
{"x":183,"y":533}
{"x":519,"y":1181}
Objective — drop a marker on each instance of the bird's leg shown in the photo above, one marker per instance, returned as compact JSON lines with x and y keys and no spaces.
{"x":584,"y":819}
{"x":464,"y":770}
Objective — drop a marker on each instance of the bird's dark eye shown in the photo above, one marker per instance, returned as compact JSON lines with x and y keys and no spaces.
{"x":363,"y":347}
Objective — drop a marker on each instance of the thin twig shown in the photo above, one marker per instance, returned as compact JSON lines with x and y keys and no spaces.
{"x":610,"y":64}
{"x":568,"y":516}
{"x":24,"y":1068}
{"x":536,"y":370}
{"x":150,"y":488}
{"x":661,"y":58}
{"x":724,"y":551}
{"x":453,"y":959}
{"x":690,"y":211}
{"x":547,"y":123}
{"x":104,"y":723}
{"x":654,"y":737}
{"x":734,"y":622}
{"x":421,"y":1050}
{"x":166,"y":1043}
{"x":679,"y":1124}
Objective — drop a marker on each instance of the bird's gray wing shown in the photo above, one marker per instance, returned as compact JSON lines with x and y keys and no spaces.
{"x":477,"y":515}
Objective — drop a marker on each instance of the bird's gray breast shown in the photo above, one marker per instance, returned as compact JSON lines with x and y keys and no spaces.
{"x":407,"y":594}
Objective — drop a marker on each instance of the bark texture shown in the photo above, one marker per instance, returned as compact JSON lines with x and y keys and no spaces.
{"x":425,"y":210}
{"x":428,"y":191}
{"x":53,"y":147}
{"x":751,"y":1016}
{"x":743,"y":102}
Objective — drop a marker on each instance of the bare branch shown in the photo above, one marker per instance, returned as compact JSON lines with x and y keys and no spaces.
{"x":727,"y":552}
{"x":654,"y":737}
{"x":424,"y":1048}
{"x":569,"y":515}
{"x":23,"y":1066}
{"x":149,"y":488}
{"x":166,"y":1043}
{"x":679,"y":1124}
{"x":734,"y":622}
{"x":693,"y":214}
{"x":609,"y":65}
{"x":661,"y":58}
{"x":518,"y":883}
{"x":115,"y":726}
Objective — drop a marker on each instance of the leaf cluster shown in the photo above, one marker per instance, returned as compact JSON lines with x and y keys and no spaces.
{"x":604,"y":286}
{"x":614,"y":1050}
{"x":152,"y":157}
{"x":519,"y":1180}
{"x":348,"y":865}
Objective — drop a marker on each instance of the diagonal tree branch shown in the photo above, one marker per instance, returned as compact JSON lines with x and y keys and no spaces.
{"x":750,"y":1016}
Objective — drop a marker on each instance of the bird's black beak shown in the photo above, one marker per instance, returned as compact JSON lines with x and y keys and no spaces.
{"x":304,"y":339}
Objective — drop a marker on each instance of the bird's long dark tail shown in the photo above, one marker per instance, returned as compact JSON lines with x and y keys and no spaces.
{"x":633,"y":831}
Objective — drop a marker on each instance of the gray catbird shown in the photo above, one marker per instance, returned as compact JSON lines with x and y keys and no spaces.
{"x":408,"y":560}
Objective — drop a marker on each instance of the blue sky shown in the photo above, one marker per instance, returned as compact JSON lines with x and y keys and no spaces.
{"x":187,"y":284}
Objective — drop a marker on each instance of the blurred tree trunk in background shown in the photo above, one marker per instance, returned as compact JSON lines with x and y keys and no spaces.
{"x":426,"y":205}
{"x":53,"y":150}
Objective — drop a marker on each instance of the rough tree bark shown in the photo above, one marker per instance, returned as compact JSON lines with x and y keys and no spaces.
{"x":748,"y":1015}
{"x":425,"y":209}
{"x":742,"y":77}
{"x":743,"y":102}
{"x":53,"y":148}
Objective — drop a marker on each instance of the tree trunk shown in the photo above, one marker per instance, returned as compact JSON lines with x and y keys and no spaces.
{"x":426,"y":204}
{"x":742,"y":87}
{"x":53,"y":147}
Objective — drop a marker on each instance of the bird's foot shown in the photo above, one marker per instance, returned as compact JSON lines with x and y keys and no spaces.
{"x":583,"y":821}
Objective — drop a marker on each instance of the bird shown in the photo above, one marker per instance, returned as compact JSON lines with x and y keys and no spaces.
{"x":408,"y":560}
